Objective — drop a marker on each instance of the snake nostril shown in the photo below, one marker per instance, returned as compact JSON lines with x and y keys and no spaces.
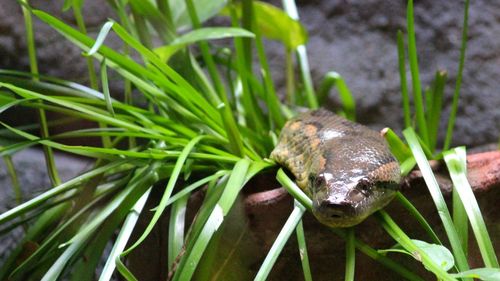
{"x":335,"y":209}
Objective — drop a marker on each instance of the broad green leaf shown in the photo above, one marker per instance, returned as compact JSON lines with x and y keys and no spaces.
{"x":204,"y":10}
{"x":438,"y":253}
{"x":206,"y":33}
{"x":275,"y":24}
{"x":485,"y":274}
{"x":150,"y":12}
{"x":410,"y":246}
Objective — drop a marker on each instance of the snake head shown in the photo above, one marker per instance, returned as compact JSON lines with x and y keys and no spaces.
{"x":346,"y":198}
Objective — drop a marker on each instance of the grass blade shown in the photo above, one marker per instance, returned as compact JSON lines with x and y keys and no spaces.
{"x":304,"y":257}
{"x":168,"y":191}
{"x":398,"y":148}
{"x":415,"y":79}
{"x":333,"y":79}
{"x":234,"y":137}
{"x":398,"y":234}
{"x":29,"y":205}
{"x":418,"y":216}
{"x":280,"y":242}
{"x":44,"y":130}
{"x":437,"y":197}
{"x":123,"y":238}
{"x":200,"y":240}
{"x":350,"y":249}
{"x":100,"y":38}
{"x":456,"y":163}
{"x":293,"y":189}
{"x":105,"y":88}
{"x":435,"y":108}
{"x":301,"y":53}
{"x":176,"y":228}
{"x":456,"y":93}
{"x":402,"y":78}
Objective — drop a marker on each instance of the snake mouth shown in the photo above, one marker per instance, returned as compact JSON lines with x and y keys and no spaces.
{"x":336,"y":214}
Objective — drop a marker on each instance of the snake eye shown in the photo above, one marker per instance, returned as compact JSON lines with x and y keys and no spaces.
{"x":364,"y":186}
{"x":317,"y":181}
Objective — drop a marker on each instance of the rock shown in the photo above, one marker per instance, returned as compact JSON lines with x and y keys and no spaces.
{"x":356,"y":38}
{"x":33,"y":180}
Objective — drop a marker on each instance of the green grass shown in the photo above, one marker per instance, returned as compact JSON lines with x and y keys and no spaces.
{"x":209,"y":121}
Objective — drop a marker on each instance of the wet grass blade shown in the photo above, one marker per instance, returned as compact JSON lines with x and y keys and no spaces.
{"x":456,"y":163}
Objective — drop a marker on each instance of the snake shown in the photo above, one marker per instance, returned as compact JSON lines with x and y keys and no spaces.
{"x":345,"y":168}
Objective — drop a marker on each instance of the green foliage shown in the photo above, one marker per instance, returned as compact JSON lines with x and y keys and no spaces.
{"x":205,"y":119}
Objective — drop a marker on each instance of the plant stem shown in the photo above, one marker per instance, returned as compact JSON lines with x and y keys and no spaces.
{"x":44,"y":129}
{"x":417,"y":91}
{"x":402,"y":77}
{"x":456,"y":94}
{"x":233,"y":134}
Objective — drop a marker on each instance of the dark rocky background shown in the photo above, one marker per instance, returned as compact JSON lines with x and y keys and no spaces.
{"x":356,"y":38}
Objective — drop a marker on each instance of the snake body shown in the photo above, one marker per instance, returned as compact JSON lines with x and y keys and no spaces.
{"x":344,"y":167}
